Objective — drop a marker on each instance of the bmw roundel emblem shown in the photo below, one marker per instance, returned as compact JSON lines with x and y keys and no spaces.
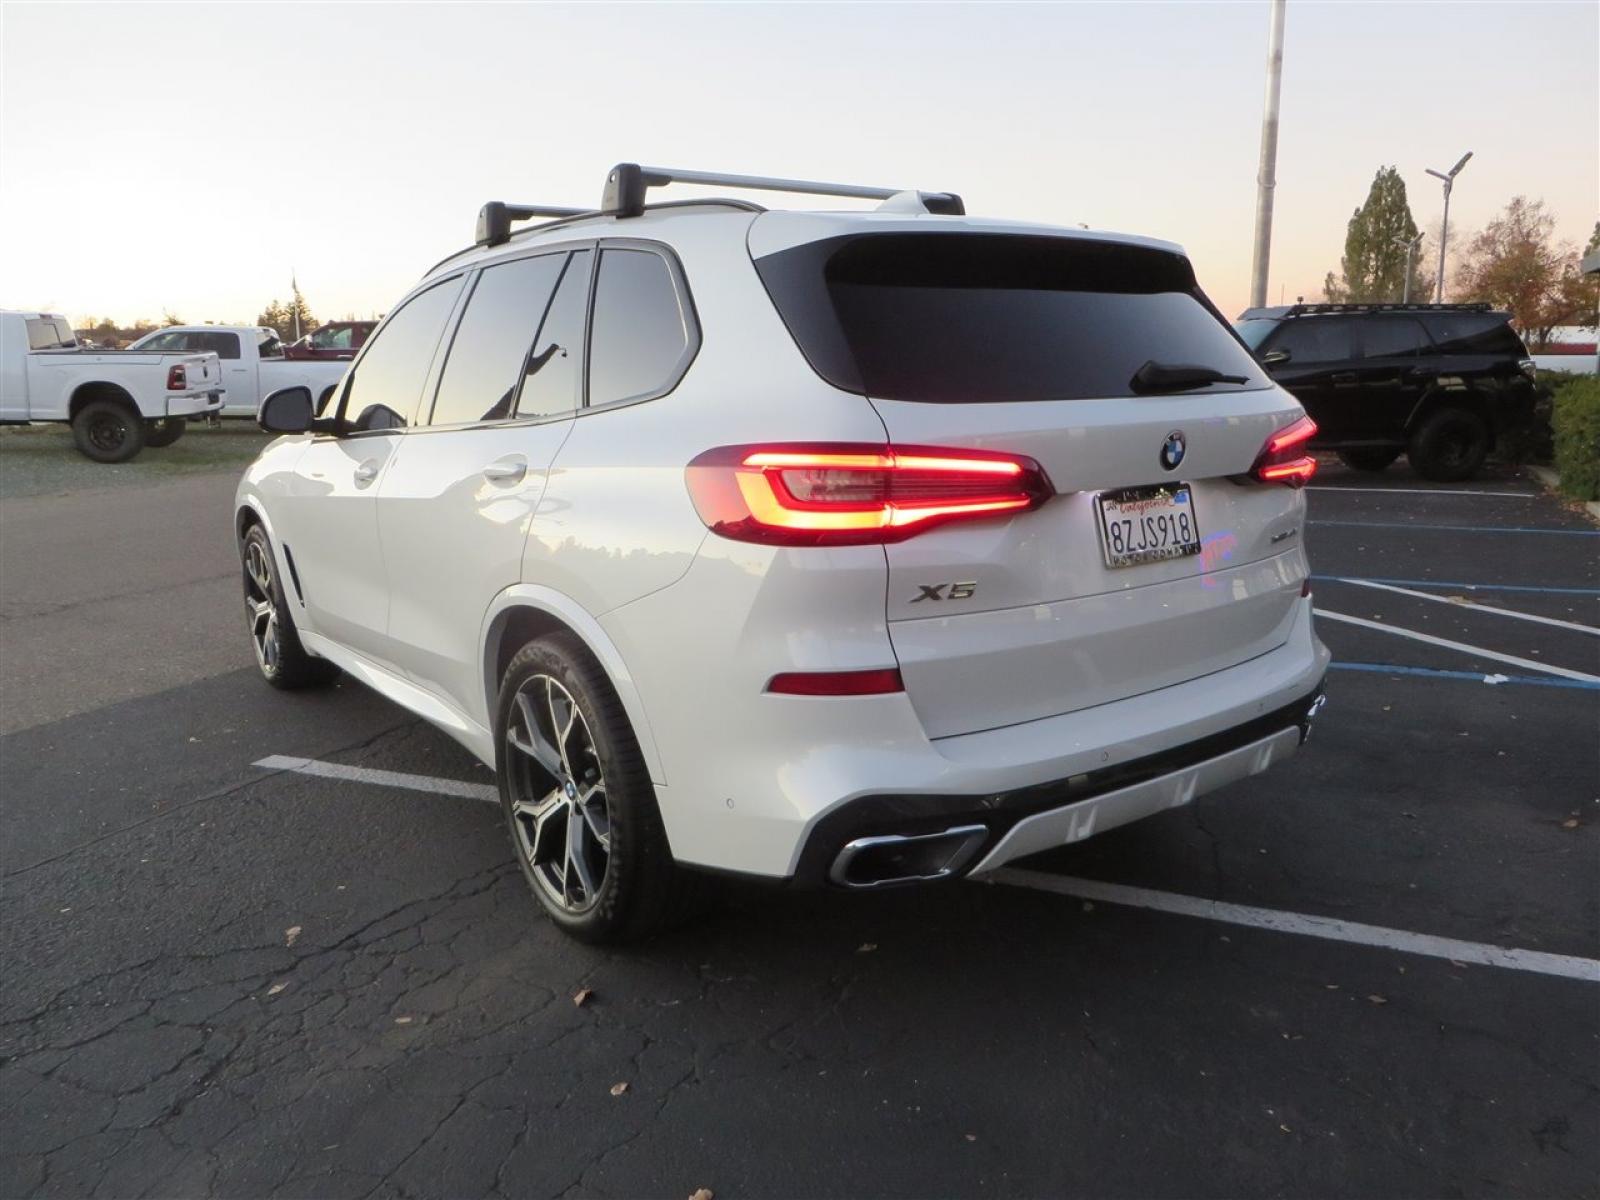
{"x":1173,"y":450}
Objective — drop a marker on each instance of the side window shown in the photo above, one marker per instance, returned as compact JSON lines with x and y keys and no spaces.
{"x":641,"y":341}
{"x":44,"y":335}
{"x":268,"y":345}
{"x":1392,"y":337}
{"x":552,"y":378}
{"x":332,"y":339}
{"x":490,"y":350}
{"x":1473,"y":333}
{"x":225,"y":345}
{"x":1315,"y":340}
{"x":387,"y":383}
{"x":164,"y":342}
{"x":64,"y":333}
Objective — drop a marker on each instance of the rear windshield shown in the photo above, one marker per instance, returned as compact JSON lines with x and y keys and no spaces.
{"x":969,"y":317}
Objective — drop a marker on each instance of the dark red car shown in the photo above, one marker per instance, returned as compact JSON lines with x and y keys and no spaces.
{"x":336,"y":339}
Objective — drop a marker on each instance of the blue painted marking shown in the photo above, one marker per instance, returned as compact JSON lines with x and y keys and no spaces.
{"x":1466,"y":587}
{"x":1460,"y":528}
{"x":1473,"y":676}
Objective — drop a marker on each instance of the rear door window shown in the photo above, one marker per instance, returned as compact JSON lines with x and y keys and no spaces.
{"x":47,"y":334}
{"x":490,"y":350}
{"x":1316,"y":340}
{"x":1392,"y":337}
{"x":552,"y":380}
{"x":387,"y":383}
{"x":966,"y":318}
{"x":223,"y":345}
{"x":643,"y":334}
{"x":1473,"y":333}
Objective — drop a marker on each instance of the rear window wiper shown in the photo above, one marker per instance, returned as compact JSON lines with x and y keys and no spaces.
{"x":1175,"y":377}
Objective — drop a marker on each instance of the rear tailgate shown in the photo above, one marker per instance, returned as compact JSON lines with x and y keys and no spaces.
{"x":1027,"y":345}
{"x":202,"y":371}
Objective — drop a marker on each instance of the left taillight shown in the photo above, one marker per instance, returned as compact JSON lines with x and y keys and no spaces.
{"x":1283,"y":459}
{"x":844,"y":494}
{"x":177,"y":378}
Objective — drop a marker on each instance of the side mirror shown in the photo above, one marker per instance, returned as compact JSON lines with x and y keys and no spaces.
{"x":287,"y":410}
{"x":1273,"y":357}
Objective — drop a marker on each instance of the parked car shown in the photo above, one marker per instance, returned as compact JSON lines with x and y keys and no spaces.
{"x":117,"y":401}
{"x":1436,"y":382}
{"x":335,"y":340}
{"x":253,"y":362}
{"x":846,"y":549}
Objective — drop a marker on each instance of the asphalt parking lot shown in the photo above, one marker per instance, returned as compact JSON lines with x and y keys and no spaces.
{"x":245,"y":980}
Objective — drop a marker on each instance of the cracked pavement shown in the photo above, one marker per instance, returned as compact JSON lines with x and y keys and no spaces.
{"x":162,"y":1034}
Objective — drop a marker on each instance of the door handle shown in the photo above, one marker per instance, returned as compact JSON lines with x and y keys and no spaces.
{"x":510,"y":469}
{"x":1344,"y":377}
{"x":367,"y":471}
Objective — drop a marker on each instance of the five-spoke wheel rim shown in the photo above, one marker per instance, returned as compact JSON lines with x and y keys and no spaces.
{"x":559,"y":810}
{"x":260,"y":605}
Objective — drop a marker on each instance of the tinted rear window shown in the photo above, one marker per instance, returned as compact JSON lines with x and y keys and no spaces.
{"x":1473,"y":333}
{"x":963,"y":318}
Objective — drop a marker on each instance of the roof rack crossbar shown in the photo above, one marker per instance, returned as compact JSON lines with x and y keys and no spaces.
{"x":495,"y":217}
{"x":626,"y":185}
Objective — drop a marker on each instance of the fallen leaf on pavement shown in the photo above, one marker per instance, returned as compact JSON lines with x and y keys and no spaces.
{"x":290,"y":935}
{"x":866,"y":947}
{"x":1570,"y":823}
{"x":618,"y":1088}
{"x":702,"y":1194}
{"x":582,"y":997}
{"x":972,"y":1137}
{"x":276,"y":988}
{"x":403,"y":1020}
{"x":1377,"y":999}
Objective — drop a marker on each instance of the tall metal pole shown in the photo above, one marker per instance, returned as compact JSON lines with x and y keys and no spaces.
{"x":1444,"y":235}
{"x":1266,"y":175}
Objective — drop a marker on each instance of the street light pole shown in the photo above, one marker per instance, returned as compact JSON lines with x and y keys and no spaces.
{"x":1411,"y":245}
{"x":1449,"y":179}
{"x":1266,"y":175}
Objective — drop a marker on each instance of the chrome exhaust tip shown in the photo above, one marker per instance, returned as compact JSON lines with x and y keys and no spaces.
{"x":872,"y":862}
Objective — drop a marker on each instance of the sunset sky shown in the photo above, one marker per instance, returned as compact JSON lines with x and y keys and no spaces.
{"x":188,"y":157}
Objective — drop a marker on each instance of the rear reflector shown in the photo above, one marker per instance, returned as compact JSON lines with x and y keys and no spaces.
{"x":838,"y":494}
{"x":177,"y":378}
{"x":1283,"y":458}
{"x":837,"y":683}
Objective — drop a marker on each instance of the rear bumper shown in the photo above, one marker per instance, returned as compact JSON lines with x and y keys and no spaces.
{"x":1060,"y":811}
{"x":196,"y":403}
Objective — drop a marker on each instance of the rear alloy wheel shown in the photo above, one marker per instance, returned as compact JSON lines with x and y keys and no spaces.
{"x":108,"y":431}
{"x":283,"y":661}
{"x":1450,"y":445}
{"x":1369,"y":458}
{"x":578,"y":798}
{"x":164,"y":432}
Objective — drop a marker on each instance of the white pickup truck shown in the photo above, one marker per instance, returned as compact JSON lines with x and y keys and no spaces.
{"x":117,"y":401}
{"x":253,"y":364}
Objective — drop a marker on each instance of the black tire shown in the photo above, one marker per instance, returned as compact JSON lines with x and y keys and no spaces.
{"x":108,"y":431}
{"x":163,"y":433}
{"x":1450,"y":445}
{"x":282,"y":660}
{"x":640,"y":888}
{"x":1369,"y":458}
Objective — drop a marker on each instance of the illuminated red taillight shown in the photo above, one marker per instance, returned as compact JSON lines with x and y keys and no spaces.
{"x":177,"y":378}
{"x":1283,"y":458}
{"x":837,"y":683}
{"x":836,"y":494}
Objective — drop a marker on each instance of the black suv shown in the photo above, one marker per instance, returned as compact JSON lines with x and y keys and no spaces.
{"x":1437,"y":382}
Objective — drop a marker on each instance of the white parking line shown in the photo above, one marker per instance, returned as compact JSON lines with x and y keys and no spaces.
{"x":1423,"y":492}
{"x":1482,"y":953}
{"x":395,"y":779}
{"x":1461,"y":602}
{"x":1327,"y":928}
{"x":1476,"y":651}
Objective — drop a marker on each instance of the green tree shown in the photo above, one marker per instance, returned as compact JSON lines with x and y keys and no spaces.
{"x":282,"y":317}
{"x":168,"y":317}
{"x":1375,"y":247}
{"x":1517,"y":263}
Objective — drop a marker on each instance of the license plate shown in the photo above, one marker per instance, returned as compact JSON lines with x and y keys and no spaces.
{"x":1148,"y":524}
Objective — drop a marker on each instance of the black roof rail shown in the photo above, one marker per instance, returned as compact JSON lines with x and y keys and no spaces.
{"x":627,"y":183}
{"x":1297,"y":310}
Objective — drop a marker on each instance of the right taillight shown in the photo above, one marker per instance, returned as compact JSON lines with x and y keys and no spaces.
{"x":1283,"y":459}
{"x":846,"y":494}
{"x":177,"y":378}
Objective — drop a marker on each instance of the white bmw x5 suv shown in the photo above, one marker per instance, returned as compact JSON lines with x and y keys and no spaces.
{"x":844,"y":548}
